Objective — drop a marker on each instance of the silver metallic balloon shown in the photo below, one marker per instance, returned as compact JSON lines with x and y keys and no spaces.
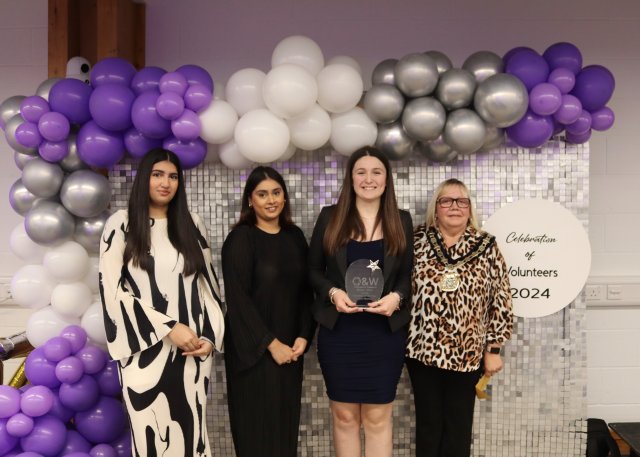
{"x":483,"y":64}
{"x":464,"y":131}
{"x":383,"y":72}
{"x":10,"y":133}
{"x":416,"y":75}
{"x":493,"y":138}
{"x":383,"y":103}
{"x":456,"y":88}
{"x":423,"y":118}
{"x":89,"y":230}
{"x":85,"y":193}
{"x":437,"y":151}
{"x":442,"y":61}
{"x":72,"y":161}
{"x":501,"y":100}
{"x":393,"y":141}
{"x":48,"y":223}
{"x":45,"y":87}
{"x":20,"y":199}
{"x":21,"y":159}
{"x":9,"y":108}
{"x":43,"y":179}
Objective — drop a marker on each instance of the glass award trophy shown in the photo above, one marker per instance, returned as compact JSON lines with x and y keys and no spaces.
{"x":364,"y":282}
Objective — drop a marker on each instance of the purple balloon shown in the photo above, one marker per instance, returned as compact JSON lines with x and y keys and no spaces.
{"x":54,"y":151}
{"x":594,"y":87}
{"x":532,"y":130}
{"x":197,"y":97}
{"x":173,"y":82}
{"x":77,"y":454}
{"x":507,"y":56}
{"x":569,"y":110}
{"x":47,"y":438}
{"x":103,"y":450}
{"x":196,"y":75}
{"x":7,"y":441}
{"x":563,"y":79}
{"x":54,"y":126}
{"x":59,"y":410}
{"x":19,"y":425}
{"x":563,"y":55}
{"x":187,"y":127}
{"x":528,"y":66}
{"x":69,"y":370}
{"x":76,"y":444}
{"x":57,"y":348}
{"x":32,"y":108}
{"x":147,"y":79}
{"x":9,"y":401}
{"x":28,"y":454}
{"x":145,"y":116}
{"x":71,"y":97}
{"x":170,"y":105}
{"x":578,"y":138}
{"x":109,"y":380}
{"x":37,"y":401}
{"x":102,"y":423}
{"x":191,"y":154}
{"x":76,"y":335}
{"x":39,"y":370}
{"x":602,"y":119}
{"x":93,"y":359}
{"x":122,"y":445}
{"x":112,"y":70}
{"x":581,"y":125}
{"x":28,"y":135}
{"x":110,"y":106}
{"x":80,"y":396}
{"x":545,"y":99}
{"x":99,"y":147}
{"x":138,"y":145}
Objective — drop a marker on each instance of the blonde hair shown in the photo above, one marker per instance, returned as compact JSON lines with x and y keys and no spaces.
{"x":431,"y":218}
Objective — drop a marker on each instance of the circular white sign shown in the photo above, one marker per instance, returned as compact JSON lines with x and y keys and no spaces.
{"x":547,"y":253}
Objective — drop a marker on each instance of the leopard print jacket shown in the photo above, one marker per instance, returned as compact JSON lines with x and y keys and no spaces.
{"x":450,"y":330}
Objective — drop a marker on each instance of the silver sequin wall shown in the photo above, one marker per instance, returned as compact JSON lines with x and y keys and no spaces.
{"x":538,"y":405}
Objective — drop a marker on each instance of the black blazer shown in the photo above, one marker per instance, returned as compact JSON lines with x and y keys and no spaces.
{"x":326,"y":272}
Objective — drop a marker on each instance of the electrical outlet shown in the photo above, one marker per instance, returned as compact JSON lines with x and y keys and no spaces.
{"x":593,"y":292}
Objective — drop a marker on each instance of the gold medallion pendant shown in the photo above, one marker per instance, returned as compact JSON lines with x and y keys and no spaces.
{"x":450,"y":280}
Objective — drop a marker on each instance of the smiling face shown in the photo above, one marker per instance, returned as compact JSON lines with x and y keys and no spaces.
{"x":163,"y":185}
{"x":267,"y":200}
{"x":454,"y":218}
{"x":369,"y":178}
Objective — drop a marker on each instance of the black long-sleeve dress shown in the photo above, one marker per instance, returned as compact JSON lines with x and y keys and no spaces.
{"x":268,"y":296}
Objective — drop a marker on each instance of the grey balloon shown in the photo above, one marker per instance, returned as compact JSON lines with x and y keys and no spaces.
{"x":9,"y":108}
{"x":464,"y":131}
{"x":43,"y":179}
{"x":493,"y":138}
{"x":89,"y":230}
{"x":20,"y":199}
{"x":48,"y":223}
{"x":45,"y":87}
{"x":383,"y":103}
{"x":437,"y":151}
{"x":393,"y":141}
{"x":72,"y":162}
{"x":501,"y":100}
{"x":85,"y":193}
{"x":424,"y":118}
{"x":416,"y":75}
{"x":10,"y":133}
{"x":21,"y":159}
{"x":442,"y":60}
{"x":456,"y":88}
{"x":383,"y":72}
{"x":483,"y":64}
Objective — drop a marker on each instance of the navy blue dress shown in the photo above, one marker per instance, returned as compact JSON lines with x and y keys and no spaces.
{"x":361,"y":358}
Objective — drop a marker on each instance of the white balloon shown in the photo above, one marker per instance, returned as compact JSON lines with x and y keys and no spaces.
{"x":261,"y":136}
{"x":339,"y":88}
{"x":298,"y":50}
{"x":218,"y":121}
{"x":231,"y":157}
{"x":24,"y":247}
{"x":67,"y":262}
{"x":91,"y":278}
{"x":45,"y":323}
{"x":71,"y":299}
{"x":310,"y":130}
{"x":346,"y":60}
{"x":289,"y":90}
{"x":288,"y":153}
{"x":93,"y":323}
{"x":351,"y":131}
{"x":31,"y":286}
{"x":244,"y":90}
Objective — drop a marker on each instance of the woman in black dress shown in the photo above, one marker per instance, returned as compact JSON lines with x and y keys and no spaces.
{"x":264,"y":263}
{"x":361,"y":349}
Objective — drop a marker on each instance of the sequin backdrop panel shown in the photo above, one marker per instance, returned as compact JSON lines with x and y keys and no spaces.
{"x":538,"y":407}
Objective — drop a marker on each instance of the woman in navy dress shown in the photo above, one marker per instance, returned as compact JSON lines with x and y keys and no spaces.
{"x":361,"y":349}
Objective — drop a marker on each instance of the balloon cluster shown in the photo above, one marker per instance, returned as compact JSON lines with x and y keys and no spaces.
{"x":422,"y":103}
{"x":563,"y":96}
{"x":71,"y":406}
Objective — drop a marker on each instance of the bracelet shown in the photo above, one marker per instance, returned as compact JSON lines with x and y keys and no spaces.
{"x":332,"y":292}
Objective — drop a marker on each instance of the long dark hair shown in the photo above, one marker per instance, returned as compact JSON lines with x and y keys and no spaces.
{"x":257,"y":175}
{"x":182,"y":231}
{"x":345,"y":222}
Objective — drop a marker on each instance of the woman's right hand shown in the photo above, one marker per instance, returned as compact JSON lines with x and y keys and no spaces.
{"x":184,"y":337}
{"x":280,"y":352}
{"x":343,"y":303}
